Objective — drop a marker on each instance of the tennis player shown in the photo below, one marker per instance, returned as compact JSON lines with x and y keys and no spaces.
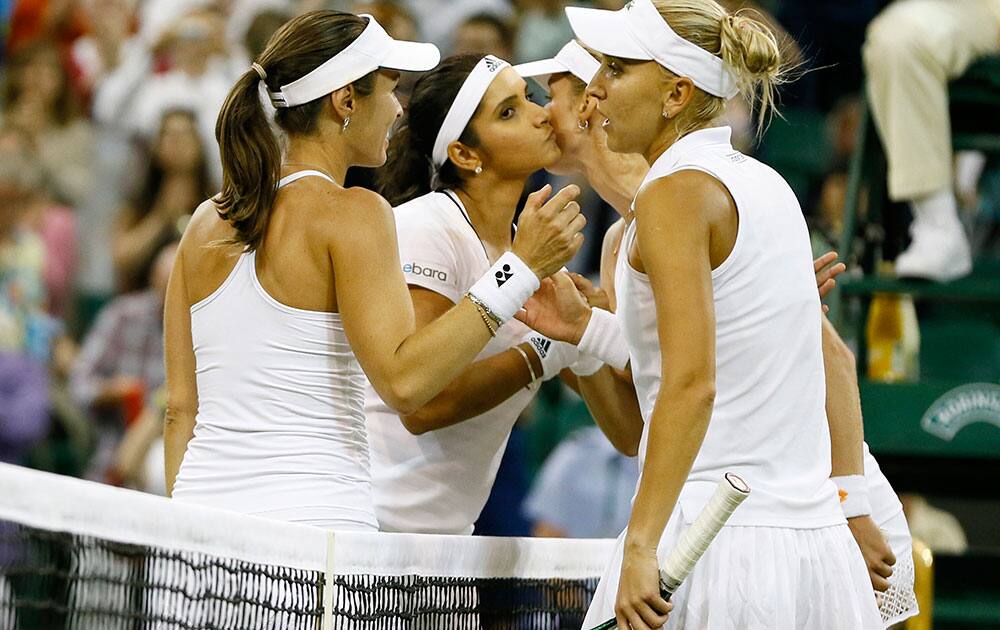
{"x":287,"y":285}
{"x":456,"y":170}
{"x":723,"y":323}
{"x":874,"y":513}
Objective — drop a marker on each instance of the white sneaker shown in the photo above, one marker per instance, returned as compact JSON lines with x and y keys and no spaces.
{"x":941,"y":256}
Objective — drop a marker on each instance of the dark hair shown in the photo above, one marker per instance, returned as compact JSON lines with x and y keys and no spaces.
{"x":489,"y":19}
{"x":251,"y":157}
{"x":66,"y":105}
{"x":143,"y":202}
{"x":409,"y":170}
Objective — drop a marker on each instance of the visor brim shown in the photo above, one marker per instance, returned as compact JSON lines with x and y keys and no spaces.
{"x":411,"y":56}
{"x":606,"y":32}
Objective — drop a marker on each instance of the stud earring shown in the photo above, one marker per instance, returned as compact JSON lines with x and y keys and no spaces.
{"x":583,"y":124}
{"x":479,"y":169}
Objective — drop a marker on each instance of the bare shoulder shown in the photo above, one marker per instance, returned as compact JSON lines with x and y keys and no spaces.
{"x":353,"y":213}
{"x":686,"y":194}
{"x":613,"y":237}
{"x":204,"y":261}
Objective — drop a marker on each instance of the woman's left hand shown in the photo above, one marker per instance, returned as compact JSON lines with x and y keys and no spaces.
{"x":639,"y":605}
{"x":825,"y":274}
{"x":557,"y":310}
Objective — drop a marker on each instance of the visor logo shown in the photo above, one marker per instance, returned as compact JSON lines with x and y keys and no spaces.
{"x":492,"y":64}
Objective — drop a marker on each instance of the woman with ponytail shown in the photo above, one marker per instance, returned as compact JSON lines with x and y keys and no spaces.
{"x":456,"y":169}
{"x":287,"y":288}
{"x":718,"y":307}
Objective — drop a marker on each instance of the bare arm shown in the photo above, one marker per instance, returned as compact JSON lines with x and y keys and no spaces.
{"x":406,"y":366}
{"x":182,"y":387}
{"x":843,"y":404}
{"x":480,"y":387}
{"x":675,"y":247}
{"x":609,"y":393}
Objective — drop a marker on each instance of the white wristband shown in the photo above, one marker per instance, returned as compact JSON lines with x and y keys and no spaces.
{"x":554,"y":355}
{"x":506,"y":286}
{"x":586,"y":365}
{"x":853,"y":495}
{"x":603,"y":339}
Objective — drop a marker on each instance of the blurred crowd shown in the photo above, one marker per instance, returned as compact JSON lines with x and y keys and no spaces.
{"x":107,"y":118}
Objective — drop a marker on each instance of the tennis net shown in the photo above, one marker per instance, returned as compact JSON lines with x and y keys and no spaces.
{"x":75,"y":554}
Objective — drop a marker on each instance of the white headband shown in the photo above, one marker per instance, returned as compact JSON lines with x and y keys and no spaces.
{"x":572,"y":58}
{"x":465,"y":104}
{"x":373,"y":49}
{"x":639,"y":32}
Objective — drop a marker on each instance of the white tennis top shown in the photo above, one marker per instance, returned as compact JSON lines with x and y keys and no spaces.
{"x":769,"y":421}
{"x":280,"y":429}
{"x":438,"y":482}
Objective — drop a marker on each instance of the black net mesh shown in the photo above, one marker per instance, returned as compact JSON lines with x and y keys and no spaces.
{"x":59,"y":580}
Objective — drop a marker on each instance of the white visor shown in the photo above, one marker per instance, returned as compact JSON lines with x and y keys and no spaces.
{"x":466,"y":102}
{"x":572,"y":58}
{"x":373,"y":49}
{"x":639,"y":32}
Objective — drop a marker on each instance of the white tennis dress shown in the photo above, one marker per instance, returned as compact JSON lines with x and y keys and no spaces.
{"x":438,"y":482}
{"x":280,"y":430}
{"x":786,"y":560}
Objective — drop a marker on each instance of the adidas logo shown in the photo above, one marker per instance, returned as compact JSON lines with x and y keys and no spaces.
{"x":542,"y":346}
{"x":492,"y":64}
{"x":504,"y":275}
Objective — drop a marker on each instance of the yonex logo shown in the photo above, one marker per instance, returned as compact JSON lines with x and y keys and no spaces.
{"x":426,"y":272}
{"x":542,"y":346}
{"x":504,"y":275}
{"x":492,"y":64}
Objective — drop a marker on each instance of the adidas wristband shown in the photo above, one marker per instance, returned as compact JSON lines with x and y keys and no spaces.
{"x":603,"y":339}
{"x":506,"y":286}
{"x":853,"y":495}
{"x":554,"y":355}
{"x":586,"y":365}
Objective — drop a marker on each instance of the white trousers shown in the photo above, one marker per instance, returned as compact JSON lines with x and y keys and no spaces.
{"x":913,"y":48}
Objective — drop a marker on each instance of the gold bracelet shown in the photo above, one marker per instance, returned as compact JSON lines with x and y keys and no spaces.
{"x":490,"y":326}
{"x":497,"y":322}
{"x":531,"y":369}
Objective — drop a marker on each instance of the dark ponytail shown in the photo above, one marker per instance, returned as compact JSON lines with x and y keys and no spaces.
{"x":251,"y":157}
{"x":409,"y":171}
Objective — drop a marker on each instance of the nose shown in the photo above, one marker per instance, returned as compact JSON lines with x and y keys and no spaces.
{"x":541,"y":115}
{"x":595,"y":89}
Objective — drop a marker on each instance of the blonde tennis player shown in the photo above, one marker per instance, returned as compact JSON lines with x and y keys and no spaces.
{"x":874,"y":513}
{"x":287,"y":285}
{"x":723,"y":324}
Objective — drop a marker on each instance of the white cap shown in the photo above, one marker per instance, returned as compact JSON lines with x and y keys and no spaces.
{"x":572,"y":58}
{"x":373,"y":49}
{"x":639,"y":32}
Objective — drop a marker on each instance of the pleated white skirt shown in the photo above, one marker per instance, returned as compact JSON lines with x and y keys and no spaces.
{"x":756,"y":578}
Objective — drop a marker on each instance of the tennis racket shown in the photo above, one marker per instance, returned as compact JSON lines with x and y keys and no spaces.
{"x":732,"y":490}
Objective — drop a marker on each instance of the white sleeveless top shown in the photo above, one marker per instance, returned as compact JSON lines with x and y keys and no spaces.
{"x":280,"y":430}
{"x":438,"y":482}
{"x":769,"y":421}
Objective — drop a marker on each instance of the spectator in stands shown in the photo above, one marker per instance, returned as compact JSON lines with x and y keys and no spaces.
{"x":121,"y":362}
{"x":913,"y":48}
{"x":176,"y":181}
{"x":584,"y":490}
{"x":484,"y":33}
{"x":53,"y":223}
{"x":25,"y":329}
{"x":110,"y":40}
{"x":542,"y":29}
{"x":38,"y":99}
{"x":439,"y":19}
